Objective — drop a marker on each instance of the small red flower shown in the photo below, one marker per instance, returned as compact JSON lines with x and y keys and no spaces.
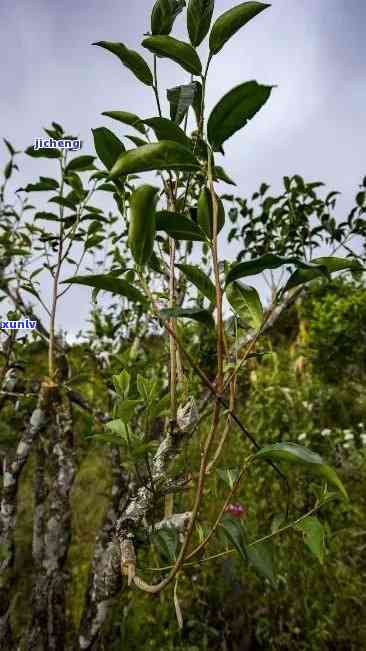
{"x":236,"y":510}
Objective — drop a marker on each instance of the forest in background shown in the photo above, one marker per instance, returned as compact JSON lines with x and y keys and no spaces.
{"x":189,"y":473}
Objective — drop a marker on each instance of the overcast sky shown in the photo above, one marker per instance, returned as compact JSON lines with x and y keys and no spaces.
{"x":313,"y":124}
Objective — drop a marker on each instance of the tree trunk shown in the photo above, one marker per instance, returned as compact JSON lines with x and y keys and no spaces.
{"x":8,"y":516}
{"x":91,"y":618}
{"x":51,"y":536}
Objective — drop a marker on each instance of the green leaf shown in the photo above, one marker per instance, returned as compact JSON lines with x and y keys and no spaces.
{"x":9,"y":147}
{"x":301,"y":276}
{"x":165,"y":129}
{"x":126,"y":118}
{"x":63,"y":201}
{"x":314,"y":536}
{"x":199,"y":15}
{"x":30,"y":290}
{"x":141,"y":233}
{"x":171,"y":48}
{"x":122,"y":383}
{"x":195,"y":313}
{"x":107,"y":146}
{"x":198,"y":277}
{"x":181,"y":98}
{"x":131,"y":59}
{"x":294,"y":453}
{"x":360,"y":199}
{"x":109,"y":283}
{"x":126,"y":409}
{"x":220,"y":175}
{"x":138,"y":142}
{"x":197,"y":102}
{"x":45,"y":184}
{"x":178,"y":226}
{"x":74,"y":181}
{"x":228,"y":475}
{"x":234,"y":110}
{"x":143,"y":387}
{"x":155,"y":263}
{"x":338,"y":264}
{"x":205,"y":213}
{"x":260,"y":556}
{"x":246,"y":303}
{"x":234,"y":533}
{"x":231,"y":21}
{"x":258,"y":265}
{"x":48,"y":216}
{"x":115,"y":426}
{"x":43,"y":152}
{"x":160,"y":408}
{"x":80,"y":164}
{"x":163,"y":15}
{"x":164,"y":155}
{"x":165,"y":540}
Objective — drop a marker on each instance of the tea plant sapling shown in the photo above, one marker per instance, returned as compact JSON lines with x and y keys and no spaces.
{"x":162,"y":228}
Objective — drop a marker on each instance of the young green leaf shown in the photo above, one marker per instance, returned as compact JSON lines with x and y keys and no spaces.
{"x":116,"y":426}
{"x":231,"y":21}
{"x":261,"y":557}
{"x":48,"y":216}
{"x":195,"y":313}
{"x":171,"y":48}
{"x":234,"y":110}
{"x":205,"y":212}
{"x":234,"y":533}
{"x":43,"y":152}
{"x":62,"y":201}
{"x":197,"y":102}
{"x":164,"y":14}
{"x":164,"y":155}
{"x":181,"y":98}
{"x":126,"y":409}
{"x":9,"y":147}
{"x":246,"y":303}
{"x":165,"y":540}
{"x":131,"y":59}
{"x":109,"y":283}
{"x":294,"y":453}
{"x":178,"y":226}
{"x":80,"y":164}
{"x":199,"y":15}
{"x":301,"y":276}
{"x":333,"y":264}
{"x":141,"y":234}
{"x":220,"y":175}
{"x":268,"y":261}
{"x":165,"y":129}
{"x":126,"y":118}
{"x":44,"y":185}
{"x":228,"y":475}
{"x":107,"y":146}
{"x":314,"y":536}
{"x":198,"y":277}
{"x":138,"y":142}
{"x":122,"y":383}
